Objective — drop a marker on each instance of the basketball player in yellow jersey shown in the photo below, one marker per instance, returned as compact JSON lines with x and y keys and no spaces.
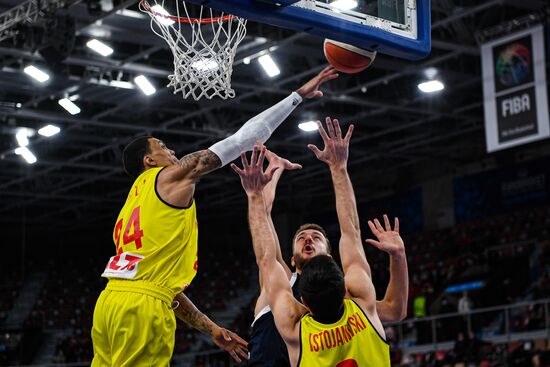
{"x":156,"y":244}
{"x":337,"y":325}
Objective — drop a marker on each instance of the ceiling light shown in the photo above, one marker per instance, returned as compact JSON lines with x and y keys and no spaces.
{"x":309,"y":126}
{"x":22,"y":137}
{"x":246,"y":60}
{"x":49,"y":130}
{"x":159,"y":12}
{"x":36,"y":73}
{"x":26,"y":154}
{"x":205,"y":65}
{"x":131,"y":14}
{"x":431,"y":86}
{"x":69,"y":105}
{"x":121,"y":84}
{"x":269,"y":66}
{"x":100,"y":47}
{"x":344,"y":4}
{"x":144,"y":84}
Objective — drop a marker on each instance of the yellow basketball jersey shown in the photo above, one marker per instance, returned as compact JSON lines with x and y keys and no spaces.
{"x":350,"y":342}
{"x":155,"y":241}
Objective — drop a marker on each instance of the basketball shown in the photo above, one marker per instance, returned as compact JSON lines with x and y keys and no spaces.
{"x":347,"y":58}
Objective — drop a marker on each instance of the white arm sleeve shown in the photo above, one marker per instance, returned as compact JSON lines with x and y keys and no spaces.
{"x":258,"y":128}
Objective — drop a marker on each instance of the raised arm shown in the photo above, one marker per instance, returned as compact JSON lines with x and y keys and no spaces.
{"x":269,"y":196}
{"x":286,"y":310}
{"x":258,"y":128}
{"x":354,"y":262}
{"x":394,"y":305}
{"x":186,"y":311}
{"x":177,"y":181}
{"x":335,"y":155}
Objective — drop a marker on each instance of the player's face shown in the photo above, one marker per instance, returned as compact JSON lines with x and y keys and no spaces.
{"x":307,"y":244}
{"x":160,"y":154}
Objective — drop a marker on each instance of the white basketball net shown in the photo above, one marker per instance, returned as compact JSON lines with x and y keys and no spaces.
{"x":203,"y":47}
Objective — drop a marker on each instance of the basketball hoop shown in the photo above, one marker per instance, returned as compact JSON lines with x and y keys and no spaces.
{"x":204,"y":47}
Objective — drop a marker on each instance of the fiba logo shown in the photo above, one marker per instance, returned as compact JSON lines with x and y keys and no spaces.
{"x":513,"y":65}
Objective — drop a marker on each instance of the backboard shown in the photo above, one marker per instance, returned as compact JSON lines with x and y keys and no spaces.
{"x":399,"y":28}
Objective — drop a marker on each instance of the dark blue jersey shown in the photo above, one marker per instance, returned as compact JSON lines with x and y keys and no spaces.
{"x":267,"y":348}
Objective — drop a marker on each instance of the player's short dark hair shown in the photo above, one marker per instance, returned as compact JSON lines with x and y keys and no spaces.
{"x":315,"y":227}
{"x":322,"y":287}
{"x":132,"y":156}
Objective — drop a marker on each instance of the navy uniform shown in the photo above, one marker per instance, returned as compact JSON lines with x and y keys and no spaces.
{"x":267,"y":348}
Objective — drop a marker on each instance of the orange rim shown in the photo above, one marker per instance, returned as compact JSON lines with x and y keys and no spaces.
{"x":187,"y":19}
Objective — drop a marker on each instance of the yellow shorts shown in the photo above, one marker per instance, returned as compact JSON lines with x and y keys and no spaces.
{"x":134,"y":325}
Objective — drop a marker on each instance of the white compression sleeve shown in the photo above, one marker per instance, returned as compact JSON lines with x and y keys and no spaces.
{"x":258,"y":128}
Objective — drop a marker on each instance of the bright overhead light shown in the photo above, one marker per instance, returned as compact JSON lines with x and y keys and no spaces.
{"x":36,"y":73}
{"x":431,"y":86}
{"x":121,"y":84}
{"x":113,"y":83}
{"x":131,"y":14}
{"x":26,"y":154}
{"x":159,"y":12}
{"x":246,"y":60}
{"x":309,"y":126}
{"x":22,"y":137}
{"x":100,"y":47}
{"x":344,"y":4}
{"x":269,"y":66}
{"x":69,"y":105}
{"x":49,"y":130}
{"x":143,"y":83}
{"x":205,"y":65}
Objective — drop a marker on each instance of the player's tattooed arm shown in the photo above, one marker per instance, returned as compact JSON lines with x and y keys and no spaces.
{"x":198,"y":164}
{"x":186,"y":311}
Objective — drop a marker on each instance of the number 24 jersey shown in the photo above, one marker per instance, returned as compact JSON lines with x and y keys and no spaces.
{"x":155,"y":241}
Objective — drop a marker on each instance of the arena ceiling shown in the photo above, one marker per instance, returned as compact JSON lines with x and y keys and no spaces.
{"x":400,"y":135}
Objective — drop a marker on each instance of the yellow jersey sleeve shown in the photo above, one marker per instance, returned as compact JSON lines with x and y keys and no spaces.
{"x":155,"y":241}
{"x":350,"y":342}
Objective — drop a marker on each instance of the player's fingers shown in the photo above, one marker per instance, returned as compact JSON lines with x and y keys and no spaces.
{"x":323,"y":132}
{"x":239,"y":340}
{"x":294,"y":166}
{"x":314,"y":149}
{"x":373,"y":228}
{"x":330,"y":127}
{"x":337,"y":129}
{"x":269,"y":174}
{"x":261,"y":157}
{"x":376,"y":244}
{"x":396,"y":225}
{"x":244,"y":160}
{"x":347,"y":138}
{"x":236,"y":169}
{"x":254,"y":155}
{"x":387,"y":223}
{"x":235,"y":356}
{"x":318,"y":93}
{"x":226,"y":335}
{"x":378,"y":225}
{"x":243,"y":353}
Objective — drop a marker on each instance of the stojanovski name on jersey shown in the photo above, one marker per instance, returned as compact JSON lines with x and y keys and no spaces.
{"x":337,"y":336}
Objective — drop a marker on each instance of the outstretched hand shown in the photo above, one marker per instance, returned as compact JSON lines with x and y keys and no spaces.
{"x":336,"y":150}
{"x":232,"y":343}
{"x":276,"y":161}
{"x":311,"y":88}
{"x":253,"y":177}
{"x":389,"y":240}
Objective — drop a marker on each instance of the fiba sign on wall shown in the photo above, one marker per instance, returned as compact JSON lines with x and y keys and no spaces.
{"x":514,"y":88}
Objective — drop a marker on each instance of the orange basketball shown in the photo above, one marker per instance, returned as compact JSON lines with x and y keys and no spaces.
{"x":347,"y":58}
